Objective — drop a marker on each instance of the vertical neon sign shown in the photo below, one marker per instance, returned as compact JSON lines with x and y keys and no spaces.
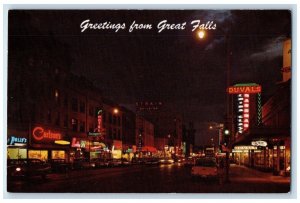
{"x":99,"y":127}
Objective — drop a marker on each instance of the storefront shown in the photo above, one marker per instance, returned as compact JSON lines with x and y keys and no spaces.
{"x":116,"y":149}
{"x":266,"y":154}
{"x":80,"y":148}
{"x":48,"y":143}
{"x":17,"y":145}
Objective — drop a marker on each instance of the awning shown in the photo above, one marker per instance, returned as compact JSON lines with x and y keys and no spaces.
{"x":149,"y":149}
{"x":261,"y":133}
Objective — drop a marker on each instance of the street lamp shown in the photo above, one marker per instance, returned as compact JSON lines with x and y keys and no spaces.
{"x":116,"y":111}
{"x":229,"y":108}
{"x":201,"y":34}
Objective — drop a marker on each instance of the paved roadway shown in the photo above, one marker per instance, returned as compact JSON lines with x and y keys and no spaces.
{"x":174,"y":178}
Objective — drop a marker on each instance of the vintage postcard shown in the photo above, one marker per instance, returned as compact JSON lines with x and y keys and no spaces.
{"x":149,"y":101}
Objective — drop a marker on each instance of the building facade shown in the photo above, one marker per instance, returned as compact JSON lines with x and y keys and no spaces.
{"x":267,"y":146}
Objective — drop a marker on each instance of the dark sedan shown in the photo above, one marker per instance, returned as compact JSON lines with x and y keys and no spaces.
{"x":27,"y":168}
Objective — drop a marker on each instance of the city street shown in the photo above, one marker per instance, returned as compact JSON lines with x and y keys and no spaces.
{"x":173,"y":178}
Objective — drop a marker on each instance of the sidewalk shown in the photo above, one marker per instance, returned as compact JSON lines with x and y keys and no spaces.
{"x":239,"y":173}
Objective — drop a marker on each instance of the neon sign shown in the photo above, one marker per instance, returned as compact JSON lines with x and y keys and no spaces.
{"x":16,"y":140}
{"x":99,"y":123}
{"x":243,"y":112}
{"x":40,"y":134}
{"x":244,"y":89}
{"x":259,"y":143}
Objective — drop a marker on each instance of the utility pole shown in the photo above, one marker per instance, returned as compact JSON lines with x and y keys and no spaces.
{"x":229,"y":115}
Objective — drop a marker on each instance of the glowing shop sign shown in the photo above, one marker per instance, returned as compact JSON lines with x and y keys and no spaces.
{"x":244,"y":89}
{"x":40,"y":134}
{"x":99,"y":122}
{"x":243,"y":116}
{"x":259,"y":143}
{"x":16,"y":140}
{"x":245,"y":147}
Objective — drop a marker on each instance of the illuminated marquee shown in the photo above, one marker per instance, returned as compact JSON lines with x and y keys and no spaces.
{"x":40,"y":134}
{"x":245,"y":147}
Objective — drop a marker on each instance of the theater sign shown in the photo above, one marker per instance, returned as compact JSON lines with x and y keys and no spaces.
{"x":244,"y":89}
{"x":247,"y":105}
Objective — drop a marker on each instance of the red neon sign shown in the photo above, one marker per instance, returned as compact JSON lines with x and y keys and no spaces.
{"x":99,"y":123}
{"x":244,"y":89}
{"x":40,"y":133}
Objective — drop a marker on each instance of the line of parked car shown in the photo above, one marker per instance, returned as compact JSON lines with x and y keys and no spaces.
{"x":36,"y":167}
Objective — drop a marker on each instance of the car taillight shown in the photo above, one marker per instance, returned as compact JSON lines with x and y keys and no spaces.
{"x":18,"y":169}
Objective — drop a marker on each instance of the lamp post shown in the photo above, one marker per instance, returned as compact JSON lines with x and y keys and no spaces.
{"x":229,"y":104}
{"x":219,"y":127}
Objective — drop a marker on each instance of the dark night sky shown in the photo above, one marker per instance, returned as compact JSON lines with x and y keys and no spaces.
{"x":173,"y":66}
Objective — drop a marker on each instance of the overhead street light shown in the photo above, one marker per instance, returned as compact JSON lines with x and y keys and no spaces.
{"x":201,"y":34}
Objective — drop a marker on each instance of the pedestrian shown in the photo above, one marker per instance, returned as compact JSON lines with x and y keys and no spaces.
{"x":221,"y":171}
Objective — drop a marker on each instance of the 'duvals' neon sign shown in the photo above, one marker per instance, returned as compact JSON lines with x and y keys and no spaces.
{"x":40,"y":133}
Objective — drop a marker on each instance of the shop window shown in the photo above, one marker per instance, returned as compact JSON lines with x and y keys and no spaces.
{"x":82,"y":126}
{"x":82,"y":107}
{"x":38,"y":154}
{"x":74,"y":104}
{"x":58,"y":154}
{"x":74,"y":124}
{"x":16,"y":153}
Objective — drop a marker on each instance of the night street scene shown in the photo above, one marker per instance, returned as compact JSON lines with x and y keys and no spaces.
{"x":149,"y":101}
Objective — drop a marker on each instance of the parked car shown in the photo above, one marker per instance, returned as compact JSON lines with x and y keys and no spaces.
{"x":205,"y":168}
{"x":27,"y":168}
{"x":166,"y":161}
{"x":190,"y":161}
{"x":100,"y":163}
{"x":152,"y":161}
{"x":83,"y":164}
{"x":178,"y":159}
{"x":59,"y":165}
{"x":114,"y":162}
{"x":125,"y":162}
{"x":137,"y":161}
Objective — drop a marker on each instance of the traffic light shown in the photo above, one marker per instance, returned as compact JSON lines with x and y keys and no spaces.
{"x":226,"y":134}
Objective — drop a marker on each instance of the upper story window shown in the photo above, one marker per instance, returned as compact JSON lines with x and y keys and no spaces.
{"x":74,"y":104}
{"x":82,"y":107}
{"x":74,"y":123}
